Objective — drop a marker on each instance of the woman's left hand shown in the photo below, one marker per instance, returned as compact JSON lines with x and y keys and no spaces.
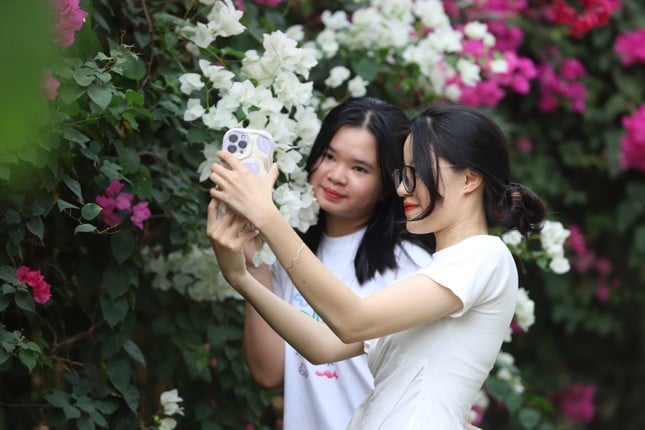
{"x":242,"y":190}
{"x":228,"y":237}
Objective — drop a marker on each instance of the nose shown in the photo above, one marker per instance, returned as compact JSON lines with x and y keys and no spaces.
{"x":401,"y":191}
{"x":337,"y":174}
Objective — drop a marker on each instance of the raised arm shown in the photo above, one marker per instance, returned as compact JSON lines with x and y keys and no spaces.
{"x":263,"y":347}
{"x":411,"y":302}
{"x":315,"y":341}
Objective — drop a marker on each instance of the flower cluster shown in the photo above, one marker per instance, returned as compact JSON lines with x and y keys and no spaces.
{"x":576,"y":401}
{"x":193,"y":272}
{"x":170,"y":403}
{"x":594,"y":13}
{"x":550,"y":253}
{"x":40,"y":289}
{"x":70,"y":19}
{"x":632,"y":144}
{"x":630,"y":47}
{"x":586,"y":260}
{"x":268,"y":92}
{"x":563,"y":84}
{"x":114,"y":199}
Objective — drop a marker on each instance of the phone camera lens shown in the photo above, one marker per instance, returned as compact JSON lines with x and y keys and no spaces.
{"x":232,"y":138}
{"x":232,"y":149}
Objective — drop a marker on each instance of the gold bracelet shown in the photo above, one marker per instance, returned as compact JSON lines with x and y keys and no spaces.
{"x":293,"y":262}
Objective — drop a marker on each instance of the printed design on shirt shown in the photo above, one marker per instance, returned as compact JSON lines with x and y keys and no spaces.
{"x":300,"y":302}
{"x":327,"y":371}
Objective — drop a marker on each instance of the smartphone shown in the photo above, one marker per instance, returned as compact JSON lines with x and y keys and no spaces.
{"x":254,"y":149}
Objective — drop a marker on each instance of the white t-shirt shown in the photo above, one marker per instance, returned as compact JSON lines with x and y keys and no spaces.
{"x":427,"y":377}
{"x":323,"y":397}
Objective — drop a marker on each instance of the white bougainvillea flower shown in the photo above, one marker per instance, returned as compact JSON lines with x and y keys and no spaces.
{"x":167,"y":423}
{"x":560,"y":265}
{"x":327,"y":42}
{"x":194,"y":110}
{"x":337,"y":75}
{"x":335,"y":21}
{"x":357,"y":86}
{"x":219,"y":77}
{"x":524,"y":310}
{"x":190,"y":82}
{"x":476,"y":30}
{"x":224,"y":19}
{"x":512,"y":238}
{"x":210,"y":158}
{"x":170,"y":402}
{"x":468,"y":71}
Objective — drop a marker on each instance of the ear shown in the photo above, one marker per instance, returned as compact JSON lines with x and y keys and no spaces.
{"x":474,"y":179}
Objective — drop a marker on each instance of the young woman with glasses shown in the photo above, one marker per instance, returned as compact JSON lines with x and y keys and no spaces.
{"x":432,"y":337}
{"x":359,"y":241}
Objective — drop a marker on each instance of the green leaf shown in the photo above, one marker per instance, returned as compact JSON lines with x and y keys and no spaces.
{"x":25,"y":301}
{"x":71,"y":412}
{"x":62,"y":205}
{"x":58,"y":398}
{"x":529,"y":418}
{"x":85,"y":423}
{"x":5,"y":301}
{"x":122,"y":244}
{"x":135,"y":352}
{"x":83,"y":77}
{"x":100,"y":95}
{"x":36,"y":227}
{"x":8,"y":273}
{"x":84,"y":228}
{"x":114,"y":311}
{"x":28,"y":359}
{"x":116,"y":281}
{"x":135,"y":68}
{"x":74,"y":187}
{"x":119,"y":372}
{"x":89,"y":211}
{"x":75,"y":136}
{"x":134,"y":98}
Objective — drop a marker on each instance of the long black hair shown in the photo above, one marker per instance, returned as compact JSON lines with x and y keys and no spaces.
{"x":390,"y":126}
{"x":467,"y":138}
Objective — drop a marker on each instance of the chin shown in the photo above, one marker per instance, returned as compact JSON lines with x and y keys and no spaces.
{"x":414,"y":228}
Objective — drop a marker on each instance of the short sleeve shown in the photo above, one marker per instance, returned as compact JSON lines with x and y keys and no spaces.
{"x":470,"y":270}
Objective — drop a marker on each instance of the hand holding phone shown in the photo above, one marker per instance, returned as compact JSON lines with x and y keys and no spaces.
{"x":254,"y":149}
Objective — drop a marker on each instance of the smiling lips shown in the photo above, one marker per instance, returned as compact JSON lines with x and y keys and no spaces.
{"x":408,"y":207}
{"x":332,"y":195}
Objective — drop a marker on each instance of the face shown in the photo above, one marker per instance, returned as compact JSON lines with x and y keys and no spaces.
{"x":416,"y":201}
{"x":347,"y":180}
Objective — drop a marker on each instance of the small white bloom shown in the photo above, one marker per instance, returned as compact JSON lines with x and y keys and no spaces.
{"x":194,"y":110}
{"x":357,"y":86}
{"x":167,"y":424}
{"x":295,"y":32}
{"x":512,"y":238}
{"x":476,"y":30}
{"x":326,"y":39}
{"x":524,"y":310}
{"x":225,"y":19}
{"x":336,"y":20}
{"x":190,"y":82}
{"x":204,"y":168}
{"x":337,"y":76}
{"x":499,"y":65}
{"x":170,"y":402}
{"x":560,"y":265}
{"x":468,"y":71}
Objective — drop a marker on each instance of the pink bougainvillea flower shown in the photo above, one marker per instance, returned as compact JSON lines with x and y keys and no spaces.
{"x":40,"y":289}
{"x":632,"y":145}
{"x":70,"y":20}
{"x":576,"y":401}
{"x":630,"y":47}
{"x":140,"y":213}
{"x":51,"y":85}
{"x":116,"y":203}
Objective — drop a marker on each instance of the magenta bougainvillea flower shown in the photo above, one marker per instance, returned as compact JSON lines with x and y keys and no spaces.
{"x":630,"y":47}
{"x":576,"y":401}
{"x":70,"y":20}
{"x":50,"y":85}
{"x":632,"y":145}
{"x":116,"y":204}
{"x":40,"y":289}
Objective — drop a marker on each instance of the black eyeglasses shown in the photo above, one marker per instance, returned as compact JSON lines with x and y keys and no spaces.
{"x":406,"y":175}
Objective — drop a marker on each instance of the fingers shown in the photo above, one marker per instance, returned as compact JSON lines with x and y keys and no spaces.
{"x":227,"y":229}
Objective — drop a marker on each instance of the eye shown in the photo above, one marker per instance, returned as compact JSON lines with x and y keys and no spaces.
{"x":360,"y":169}
{"x":328,"y":156}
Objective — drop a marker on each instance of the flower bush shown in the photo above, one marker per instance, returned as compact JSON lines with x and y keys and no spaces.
{"x":112,"y":302}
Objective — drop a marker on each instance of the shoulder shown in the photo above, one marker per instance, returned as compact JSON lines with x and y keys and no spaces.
{"x":408,"y":252}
